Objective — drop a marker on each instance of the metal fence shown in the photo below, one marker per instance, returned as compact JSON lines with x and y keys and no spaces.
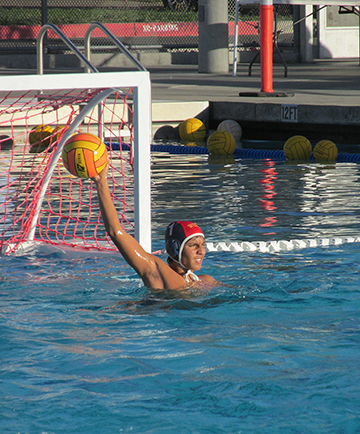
{"x":157,"y":25}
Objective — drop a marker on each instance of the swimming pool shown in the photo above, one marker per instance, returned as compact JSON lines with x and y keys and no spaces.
{"x":85,"y":348}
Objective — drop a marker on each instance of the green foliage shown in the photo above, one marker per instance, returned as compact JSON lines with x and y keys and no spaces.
{"x":15,"y":16}
{"x":32,"y":16}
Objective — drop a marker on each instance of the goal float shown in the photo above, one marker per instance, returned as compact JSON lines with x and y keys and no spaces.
{"x":279,"y":245}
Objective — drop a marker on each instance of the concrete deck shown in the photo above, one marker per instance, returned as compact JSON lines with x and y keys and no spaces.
{"x":326,"y":99}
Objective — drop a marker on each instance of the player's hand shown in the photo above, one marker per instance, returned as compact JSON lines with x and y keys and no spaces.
{"x":103,"y":174}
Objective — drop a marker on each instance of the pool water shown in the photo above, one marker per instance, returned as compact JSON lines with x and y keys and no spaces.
{"x":86,"y":348}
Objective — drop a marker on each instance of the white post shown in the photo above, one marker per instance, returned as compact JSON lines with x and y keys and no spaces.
{"x":236,"y":37}
{"x":306,"y":34}
{"x":142,"y":161}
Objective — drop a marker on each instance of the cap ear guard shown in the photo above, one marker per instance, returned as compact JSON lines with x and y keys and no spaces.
{"x":183,"y":245}
{"x":172,"y":248}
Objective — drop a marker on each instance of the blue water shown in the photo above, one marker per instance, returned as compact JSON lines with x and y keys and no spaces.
{"x":85,"y":348}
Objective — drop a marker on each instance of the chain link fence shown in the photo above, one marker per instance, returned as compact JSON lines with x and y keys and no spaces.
{"x":249,"y":27}
{"x":152,"y":25}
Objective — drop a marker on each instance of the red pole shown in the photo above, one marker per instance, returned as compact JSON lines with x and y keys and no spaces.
{"x":266,"y":45}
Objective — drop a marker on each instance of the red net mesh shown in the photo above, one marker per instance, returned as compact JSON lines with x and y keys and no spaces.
{"x":69,"y":213}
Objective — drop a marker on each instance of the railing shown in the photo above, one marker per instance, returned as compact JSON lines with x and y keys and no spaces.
{"x":114,"y":40}
{"x":88,"y":66}
{"x":66,"y":40}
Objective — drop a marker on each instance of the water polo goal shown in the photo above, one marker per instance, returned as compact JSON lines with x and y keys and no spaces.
{"x":40,"y":202}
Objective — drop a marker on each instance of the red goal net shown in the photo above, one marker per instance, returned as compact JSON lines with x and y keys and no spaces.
{"x":39,"y":199}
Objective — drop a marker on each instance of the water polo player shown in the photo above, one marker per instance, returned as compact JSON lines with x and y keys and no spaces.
{"x":185,"y":245}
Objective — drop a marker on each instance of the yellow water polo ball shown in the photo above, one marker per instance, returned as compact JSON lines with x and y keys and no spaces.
{"x":6,"y":142}
{"x":221,"y":143}
{"x":297,"y":148}
{"x":325,"y":150}
{"x":192,"y":130}
{"x":40,"y":138}
{"x":84,"y":155}
{"x":59,"y":131}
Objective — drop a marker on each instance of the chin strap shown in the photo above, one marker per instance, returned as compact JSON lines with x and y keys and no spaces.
{"x":191,"y":277}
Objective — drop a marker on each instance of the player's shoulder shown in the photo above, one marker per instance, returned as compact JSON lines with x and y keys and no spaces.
{"x":207,"y":278}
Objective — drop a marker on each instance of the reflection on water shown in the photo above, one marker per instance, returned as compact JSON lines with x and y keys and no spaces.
{"x":267,"y":199}
{"x":82,"y":340}
{"x":256,"y":199}
{"x":231,"y":199}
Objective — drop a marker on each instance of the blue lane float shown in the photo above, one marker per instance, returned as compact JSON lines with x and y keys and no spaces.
{"x":174,"y":149}
{"x":241,"y":153}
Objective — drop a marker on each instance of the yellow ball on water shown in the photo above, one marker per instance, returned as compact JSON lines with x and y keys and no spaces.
{"x":325,"y":150}
{"x":297,"y":148}
{"x":6,"y":142}
{"x":40,"y":138}
{"x":221,"y":143}
{"x":192,"y":130}
{"x":59,"y":131}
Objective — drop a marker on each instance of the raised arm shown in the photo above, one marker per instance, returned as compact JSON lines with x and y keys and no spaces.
{"x":131,"y":250}
{"x":154,"y":272}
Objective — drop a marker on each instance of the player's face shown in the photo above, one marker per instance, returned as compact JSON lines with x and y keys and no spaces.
{"x":193,"y":253}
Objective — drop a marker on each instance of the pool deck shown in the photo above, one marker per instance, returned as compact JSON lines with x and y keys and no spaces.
{"x":319,"y":100}
{"x":322,"y":98}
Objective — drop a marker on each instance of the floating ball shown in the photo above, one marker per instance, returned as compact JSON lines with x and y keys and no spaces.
{"x":297,"y":148}
{"x":192,"y":130}
{"x":231,"y":127}
{"x":6,"y":142}
{"x":325,"y":150}
{"x":40,"y":138}
{"x":59,"y":131}
{"x":221,"y":143}
{"x":84,"y":155}
{"x":166,"y":132}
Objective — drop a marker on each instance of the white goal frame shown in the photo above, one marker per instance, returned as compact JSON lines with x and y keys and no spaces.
{"x":111,"y":82}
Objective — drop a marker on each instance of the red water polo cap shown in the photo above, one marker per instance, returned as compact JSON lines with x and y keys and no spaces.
{"x":176,"y":236}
